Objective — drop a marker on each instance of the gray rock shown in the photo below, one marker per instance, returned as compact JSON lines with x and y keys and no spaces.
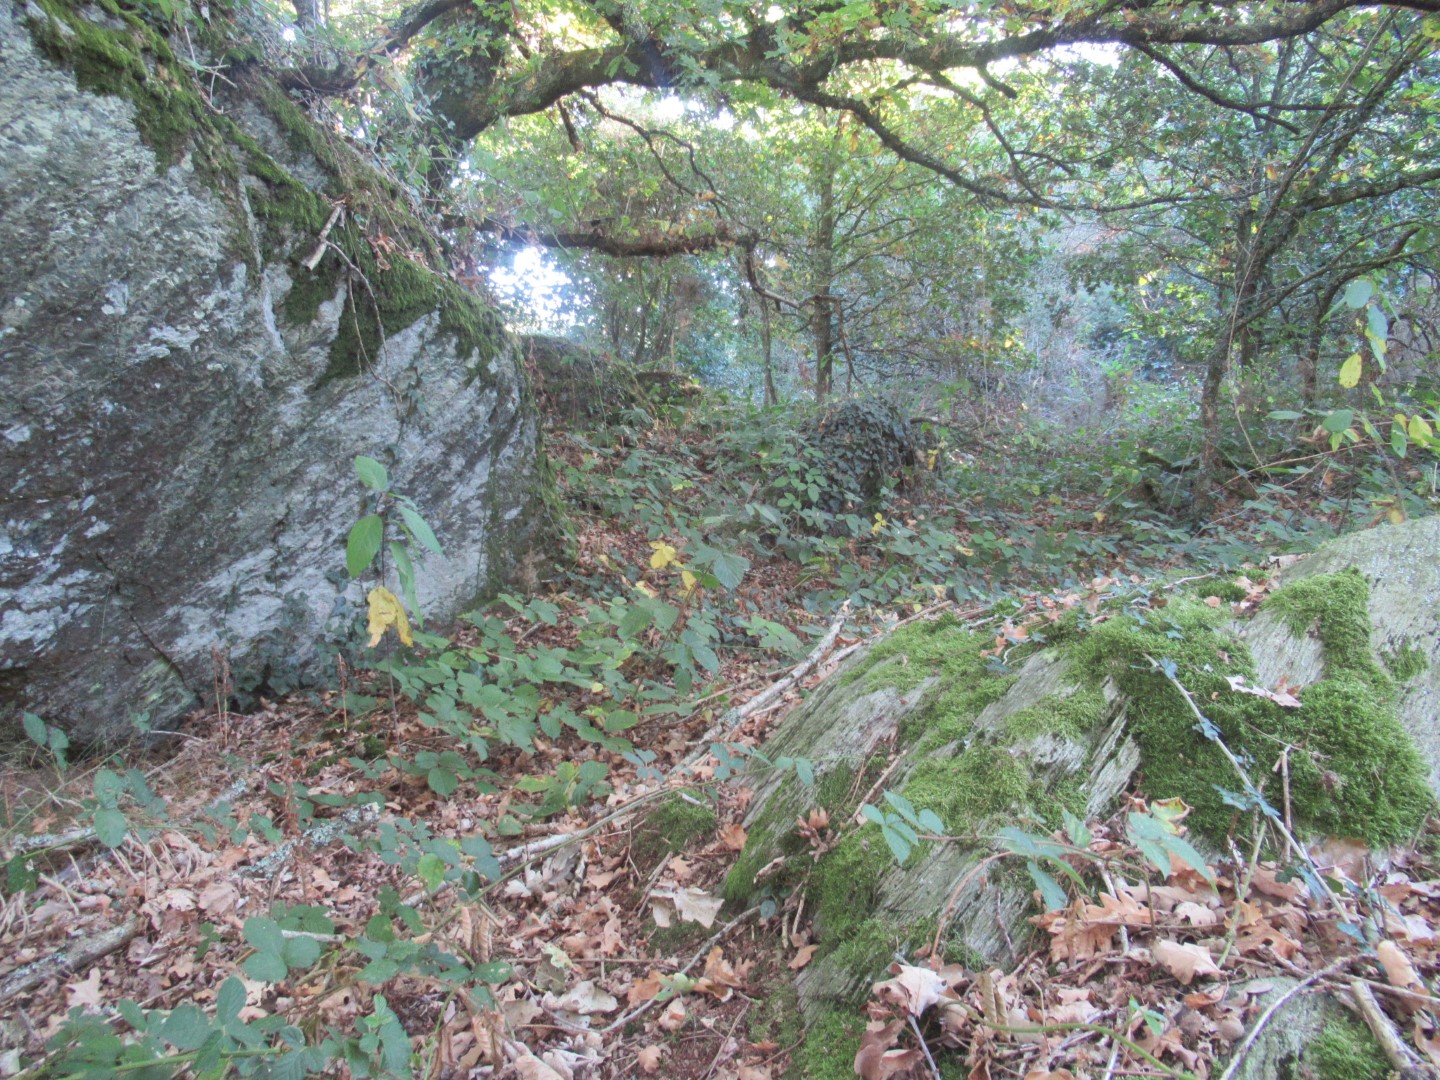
{"x":175,"y":438}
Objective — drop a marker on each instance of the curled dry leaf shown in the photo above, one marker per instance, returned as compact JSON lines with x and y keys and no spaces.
{"x":1185,"y":962}
{"x":913,"y":988}
{"x":877,"y":1059}
{"x":673,"y":1016}
{"x":732,"y":836}
{"x":649,"y":1059}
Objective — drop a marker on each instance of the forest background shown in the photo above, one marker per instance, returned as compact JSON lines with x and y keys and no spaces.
{"x":1080,"y":293}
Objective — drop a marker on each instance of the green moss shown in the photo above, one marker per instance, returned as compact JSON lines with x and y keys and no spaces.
{"x":844,"y":885}
{"x":1225,"y":590}
{"x":828,"y":1052}
{"x":668,"y":829}
{"x":776,"y":1016}
{"x":1072,"y":716}
{"x":981,"y":782}
{"x":131,"y":60}
{"x":1406,"y":662}
{"x":1334,"y":605}
{"x":869,"y":947}
{"x":1345,"y":1050}
{"x":1353,"y":771}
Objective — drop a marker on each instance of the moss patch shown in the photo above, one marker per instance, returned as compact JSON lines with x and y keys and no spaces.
{"x":1346,"y":1050}
{"x":1071,"y":716}
{"x":1353,"y":770}
{"x":667,"y":830}
{"x":980,"y":783}
{"x":127,"y":58}
{"x":1225,"y":590}
{"x":828,"y":1052}
{"x":1406,"y":662}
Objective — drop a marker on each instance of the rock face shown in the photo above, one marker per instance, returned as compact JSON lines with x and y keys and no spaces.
{"x":930,"y":713}
{"x":182,"y":395}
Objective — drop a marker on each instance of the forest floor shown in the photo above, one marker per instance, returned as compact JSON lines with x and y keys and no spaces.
{"x":315,"y":850}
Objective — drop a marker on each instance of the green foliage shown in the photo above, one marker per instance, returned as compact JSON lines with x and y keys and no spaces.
{"x":1345,"y":1050}
{"x":47,"y":737}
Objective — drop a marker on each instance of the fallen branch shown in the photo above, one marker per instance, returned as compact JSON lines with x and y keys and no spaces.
{"x":79,"y":955}
{"x":52,"y":841}
{"x":733,"y":718}
{"x":1400,"y":1056}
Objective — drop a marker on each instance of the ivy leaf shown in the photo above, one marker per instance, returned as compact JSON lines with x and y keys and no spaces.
{"x":363,"y":543}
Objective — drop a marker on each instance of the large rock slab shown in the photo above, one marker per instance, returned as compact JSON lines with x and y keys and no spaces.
{"x":985,"y":741}
{"x":184,"y":387}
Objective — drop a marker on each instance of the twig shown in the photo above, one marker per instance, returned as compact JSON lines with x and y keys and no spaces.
{"x":733,"y":718}
{"x":924,"y":1049}
{"x":83,"y":952}
{"x":313,"y":260}
{"x":1275,"y":1006}
{"x":52,"y":841}
{"x":645,"y":1006}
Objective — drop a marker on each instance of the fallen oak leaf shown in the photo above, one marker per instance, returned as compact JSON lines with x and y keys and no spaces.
{"x":802,"y":957}
{"x":1185,"y":962}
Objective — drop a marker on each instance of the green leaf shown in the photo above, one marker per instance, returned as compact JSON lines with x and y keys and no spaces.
{"x":405,"y":571}
{"x":1051,"y":893}
{"x":420,"y":529}
{"x":1350,"y":372}
{"x":442,"y":781}
{"x":899,"y":845}
{"x":873,"y":813}
{"x":266,"y":967}
{"x":1338,"y":421}
{"x":186,"y":1028}
{"x":264,"y":935}
{"x":1358,"y":293}
{"x":1284,"y":414}
{"x":1186,"y":853}
{"x":363,"y":544}
{"x":110,"y":826}
{"x":1155,"y":852}
{"x":300,"y":952}
{"x":108,"y":786}
{"x":229,"y":1000}
{"x":372,"y":474}
{"x":20,"y":875}
{"x":431,"y":870}
{"x":34,"y":728}
{"x":729,"y":568}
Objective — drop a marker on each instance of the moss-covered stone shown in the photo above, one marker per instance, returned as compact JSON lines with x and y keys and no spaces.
{"x":1406,"y":662}
{"x":1352,"y":769}
{"x":1072,"y":716}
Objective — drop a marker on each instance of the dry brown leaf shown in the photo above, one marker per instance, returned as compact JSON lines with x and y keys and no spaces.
{"x":649,"y":1059}
{"x":1398,"y":968}
{"x":802,"y":957}
{"x":1185,"y":962}
{"x":732,"y":836}
{"x":644,"y":989}
{"x":85,"y":993}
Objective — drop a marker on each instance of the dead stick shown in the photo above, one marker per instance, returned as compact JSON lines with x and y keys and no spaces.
{"x":83,"y":952}
{"x":1396,"y":1052}
{"x":320,"y":245}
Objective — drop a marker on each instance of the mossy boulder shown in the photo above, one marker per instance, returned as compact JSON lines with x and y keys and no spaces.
{"x":932,"y":714}
{"x":208,"y":306}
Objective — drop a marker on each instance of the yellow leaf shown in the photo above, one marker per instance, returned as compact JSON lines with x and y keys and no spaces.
{"x":1272,"y":173}
{"x":1420,"y":431}
{"x":664,"y":555}
{"x":387,"y":611}
{"x":1350,"y":371}
{"x":689,"y":580}
{"x":1396,"y":516}
{"x":1099,"y":516}
{"x":879,"y":523}
{"x":969,"y":553}
{"x":646,"y":589}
